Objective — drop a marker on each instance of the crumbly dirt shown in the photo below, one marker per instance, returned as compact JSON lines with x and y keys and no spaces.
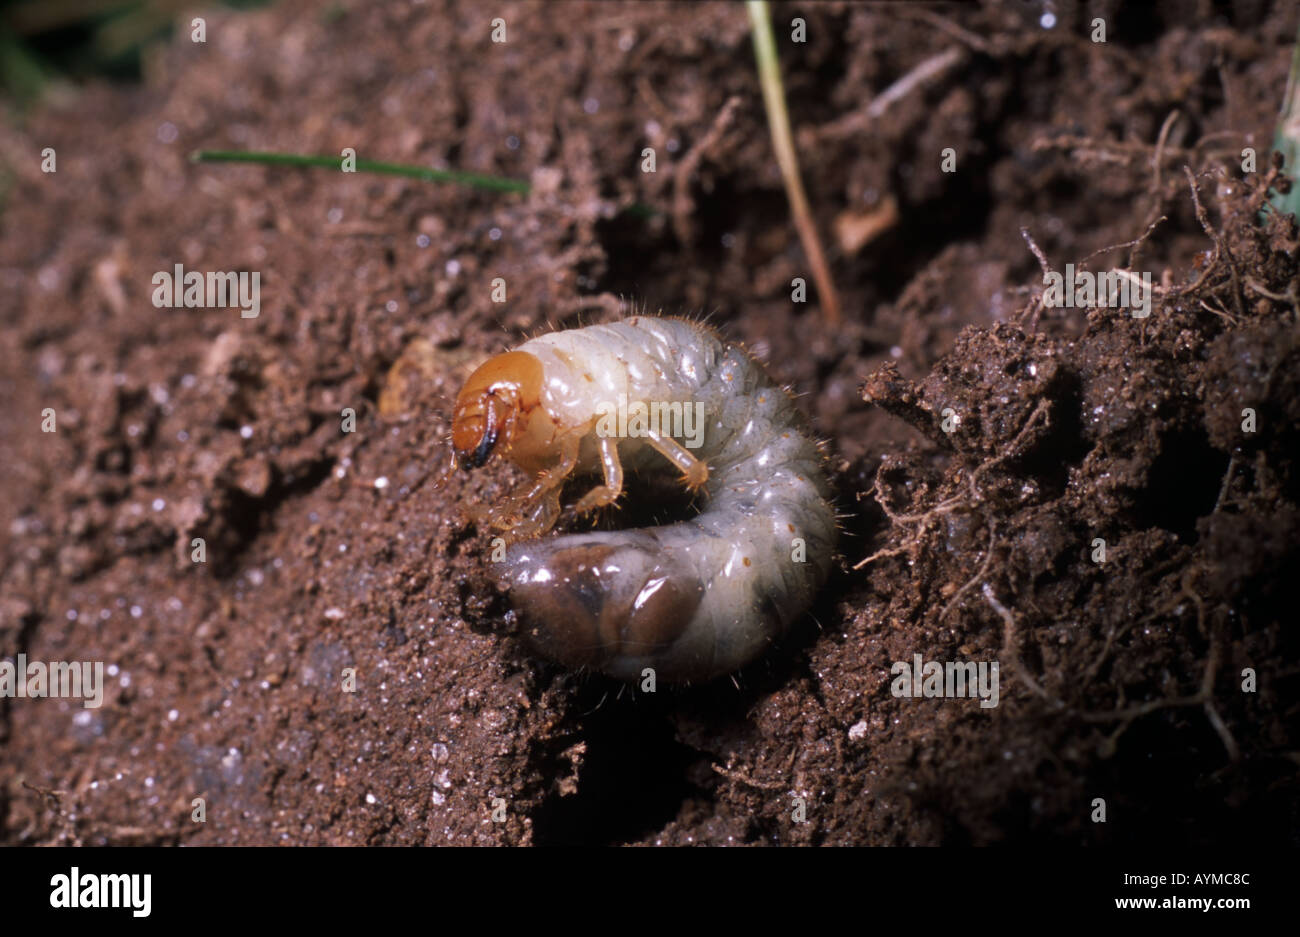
{"x":326,"y":550}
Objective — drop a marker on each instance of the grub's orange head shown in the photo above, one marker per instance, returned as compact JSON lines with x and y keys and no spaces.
{"x":494,"y":406}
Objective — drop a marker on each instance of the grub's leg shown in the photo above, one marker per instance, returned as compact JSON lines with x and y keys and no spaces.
{"x":607,"y":493}
{"x":694,"y":472}
{"x":535,"y":508}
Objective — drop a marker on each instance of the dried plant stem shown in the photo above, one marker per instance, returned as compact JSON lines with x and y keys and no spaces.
{"x":778,"y":119}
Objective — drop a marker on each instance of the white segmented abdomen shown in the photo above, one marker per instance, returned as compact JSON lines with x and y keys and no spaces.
{"x":702,"y":597}
{"x":642,"y":358}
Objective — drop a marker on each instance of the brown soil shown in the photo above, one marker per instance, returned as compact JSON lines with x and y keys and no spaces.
{"x":1121,"y":680}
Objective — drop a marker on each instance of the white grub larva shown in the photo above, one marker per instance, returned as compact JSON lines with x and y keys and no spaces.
{"x":692,"y":600}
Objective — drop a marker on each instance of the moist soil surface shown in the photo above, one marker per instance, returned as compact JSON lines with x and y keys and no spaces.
{"x":1103,"y":503}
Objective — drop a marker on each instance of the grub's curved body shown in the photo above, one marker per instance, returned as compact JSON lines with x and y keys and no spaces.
{"x":691,"y":600}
